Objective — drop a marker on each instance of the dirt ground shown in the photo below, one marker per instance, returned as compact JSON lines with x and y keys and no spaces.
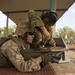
{"x":71,"y":45}
{"x":71,"y":52}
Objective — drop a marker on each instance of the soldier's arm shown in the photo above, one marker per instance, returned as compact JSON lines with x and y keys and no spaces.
{"x":37,"y":22}
{"x":12,"y":52}
{"x":51,"y":41}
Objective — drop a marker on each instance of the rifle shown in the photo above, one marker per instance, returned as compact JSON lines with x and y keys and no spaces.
{"x":56,"y":54}
{"x":27,"y":54}
{"x":31,"y":53}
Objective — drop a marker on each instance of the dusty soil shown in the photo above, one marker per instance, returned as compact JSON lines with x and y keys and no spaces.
{"x":71,"y":45}
{"x":71,"y":52}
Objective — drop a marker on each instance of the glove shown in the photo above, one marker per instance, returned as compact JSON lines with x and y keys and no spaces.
{"x":46,"y":57}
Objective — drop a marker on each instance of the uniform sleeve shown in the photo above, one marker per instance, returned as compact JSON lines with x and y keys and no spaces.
{"x":35,"y":19}
{"x":11,"y":50}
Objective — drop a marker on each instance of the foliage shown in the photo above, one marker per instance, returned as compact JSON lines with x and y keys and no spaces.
{"x":67,"y":34}
{"x":10,"y":31}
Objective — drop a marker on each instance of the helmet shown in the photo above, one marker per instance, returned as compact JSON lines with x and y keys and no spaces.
{"x":24,"y":27}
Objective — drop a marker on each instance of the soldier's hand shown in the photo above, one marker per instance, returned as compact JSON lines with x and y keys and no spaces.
{"x":52,"y":42}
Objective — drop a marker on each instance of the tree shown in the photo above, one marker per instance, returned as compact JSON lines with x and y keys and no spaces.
{"x":1,"y":30}
{"x":10,"y":31}
{"x":67,"y":34}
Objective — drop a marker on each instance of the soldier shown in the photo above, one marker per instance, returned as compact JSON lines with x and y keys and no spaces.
{"x":11,"y":50}
{"x":43,"y":26}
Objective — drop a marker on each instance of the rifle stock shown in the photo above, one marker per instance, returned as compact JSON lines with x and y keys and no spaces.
{"x":27,"y":54}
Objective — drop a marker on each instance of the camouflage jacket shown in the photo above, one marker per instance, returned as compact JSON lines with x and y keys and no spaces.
{"x":37,"y":22}
{"x":11,"y":51}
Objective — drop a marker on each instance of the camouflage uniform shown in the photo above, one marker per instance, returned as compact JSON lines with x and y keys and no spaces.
{"x":36,"y":22}
{"x":11,"y":50}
